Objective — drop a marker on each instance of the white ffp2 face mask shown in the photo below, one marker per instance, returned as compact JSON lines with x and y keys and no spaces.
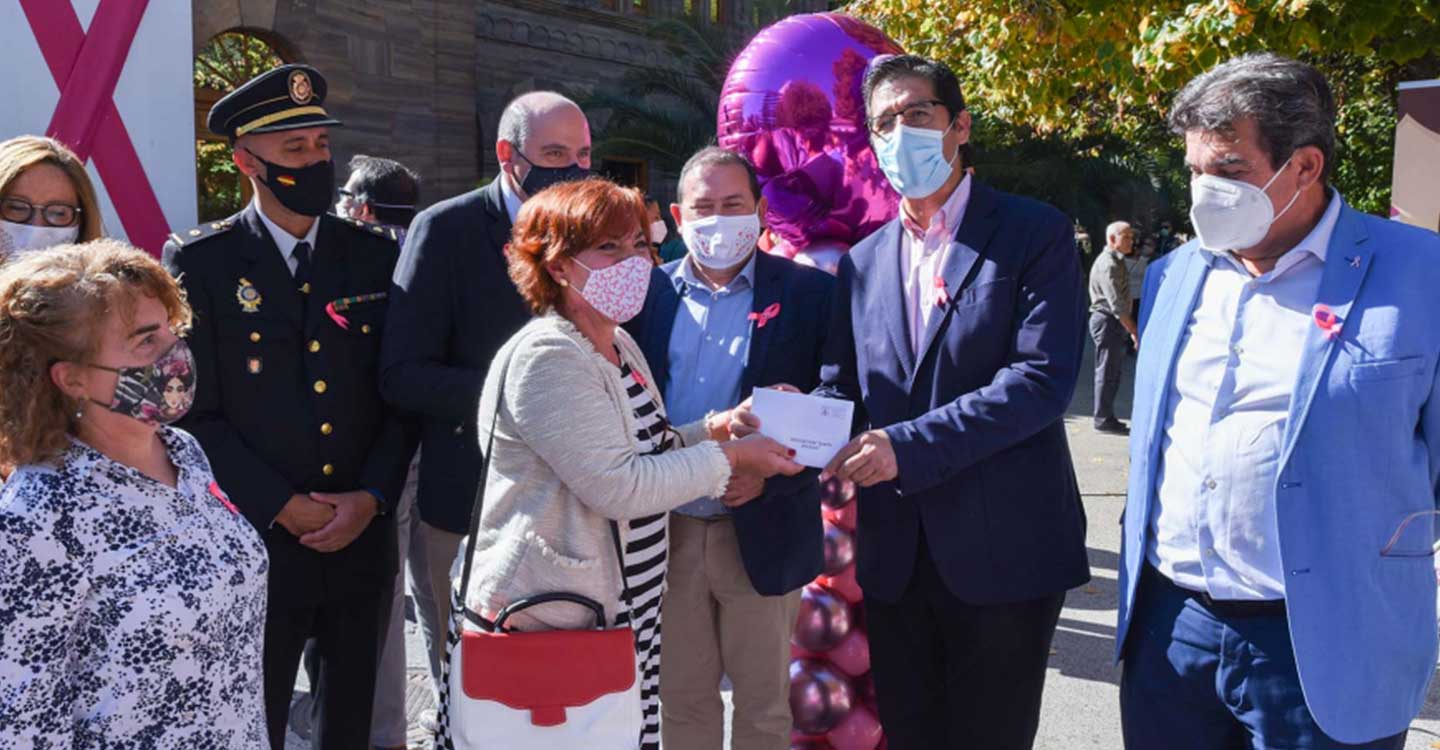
{"x":18,"y":239}
{"x":1233,"y":215}
{"x":720,"y":242}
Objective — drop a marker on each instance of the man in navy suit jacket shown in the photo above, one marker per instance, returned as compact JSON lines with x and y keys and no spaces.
{"x":958,"y":332}
{"x":452,"y":307}
{"x":717,"y":323}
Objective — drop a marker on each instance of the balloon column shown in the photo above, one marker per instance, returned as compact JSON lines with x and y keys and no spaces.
{"x":831,"y":696}
{"x":791,"y":104}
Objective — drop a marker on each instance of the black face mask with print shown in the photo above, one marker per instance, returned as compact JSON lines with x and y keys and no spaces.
{"x":305,"y":190}
{"x":157,"y":393}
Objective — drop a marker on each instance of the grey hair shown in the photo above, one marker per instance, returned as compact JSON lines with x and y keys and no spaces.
{"x":1289,"y":101}
{"x":714,"y":156}
{"x":1116,"y":227}
{"x":521,"y":112}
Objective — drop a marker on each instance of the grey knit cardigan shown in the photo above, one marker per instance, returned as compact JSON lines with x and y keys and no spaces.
{"x":566,"y":461}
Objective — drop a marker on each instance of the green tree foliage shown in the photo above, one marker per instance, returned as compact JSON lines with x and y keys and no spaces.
{"x":1102,"y":72}
{"x":229,"y":60}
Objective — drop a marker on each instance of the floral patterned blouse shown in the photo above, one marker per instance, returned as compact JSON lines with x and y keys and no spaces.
{"x":131,"y":614}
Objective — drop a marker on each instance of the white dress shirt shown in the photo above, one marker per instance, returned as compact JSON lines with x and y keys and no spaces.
{"x":512,"y":201}
{"x":922,"y":257}
{"x":286,"y":241}
{"x":1214,"y":528}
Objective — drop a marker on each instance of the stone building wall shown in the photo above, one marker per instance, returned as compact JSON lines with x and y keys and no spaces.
{"x":423,"y":81}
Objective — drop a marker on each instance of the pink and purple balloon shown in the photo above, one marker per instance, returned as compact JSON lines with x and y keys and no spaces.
{"x":845,"y":516}
{"x":791,"y":104}
{"x":837,"y":493}
{"x":852,"y":654}
{"x":823,"y":622}
{"x":860,"y":730}
{"x":820,"y":697}
{"x":844,"y":585}
{"x":839,"y":549}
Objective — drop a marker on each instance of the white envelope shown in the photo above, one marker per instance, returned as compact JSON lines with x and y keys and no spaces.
{"x":814,"y":426}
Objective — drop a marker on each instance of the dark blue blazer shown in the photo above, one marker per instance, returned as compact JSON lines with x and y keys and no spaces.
{"x":452,"y":306}
{"x":976,"y":418}
{"x":781,"y":539}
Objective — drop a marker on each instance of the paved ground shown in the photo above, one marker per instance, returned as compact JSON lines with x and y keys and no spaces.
{"x":1082,"y":696}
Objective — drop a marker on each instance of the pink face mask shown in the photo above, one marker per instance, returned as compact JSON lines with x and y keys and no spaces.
{"x":618,"y":291}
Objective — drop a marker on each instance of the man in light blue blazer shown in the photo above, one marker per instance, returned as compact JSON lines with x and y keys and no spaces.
{"x":1276,"y":576}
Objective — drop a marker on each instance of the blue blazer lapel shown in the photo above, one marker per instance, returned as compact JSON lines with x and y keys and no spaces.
{"x":663,"y":305}
{"x":769,"y":288}
{"x":888,"y":289}
{"x":1160,"y":346}
{"x":1347,"y":261}
{"x":971,"y":240}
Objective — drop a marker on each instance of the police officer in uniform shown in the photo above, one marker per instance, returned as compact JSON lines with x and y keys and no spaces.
{"x":289,"y":309}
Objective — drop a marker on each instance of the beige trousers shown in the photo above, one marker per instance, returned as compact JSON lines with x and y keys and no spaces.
{"x":715,"y":624}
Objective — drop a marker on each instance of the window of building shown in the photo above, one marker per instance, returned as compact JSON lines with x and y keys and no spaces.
{"x":627,"y":171}
{"x":222,"y":65}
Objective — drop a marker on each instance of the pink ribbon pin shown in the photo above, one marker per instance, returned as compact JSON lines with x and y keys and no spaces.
{"x":340,"y":320}
{"x":766,"y":315}
{"x":1327,"y":321}
{"x":943,"y":295}
{"x":219,"y":495}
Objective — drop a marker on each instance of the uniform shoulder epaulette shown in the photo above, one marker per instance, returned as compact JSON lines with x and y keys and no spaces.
{"x":374,"y":230}
{"x":202,"y":232}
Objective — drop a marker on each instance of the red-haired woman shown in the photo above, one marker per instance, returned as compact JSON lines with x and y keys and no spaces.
{"x":581,"y":437}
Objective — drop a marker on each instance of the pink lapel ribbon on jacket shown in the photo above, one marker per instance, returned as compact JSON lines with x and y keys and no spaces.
{"x":943,"y":297}
{"x":766,"y":315}
{"x":218,"y":495}
{"x":1327,"y":321}
{"x":345,"y":303}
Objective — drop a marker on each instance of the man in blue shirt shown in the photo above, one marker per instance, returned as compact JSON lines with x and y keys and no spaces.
{"x":719,"y":322}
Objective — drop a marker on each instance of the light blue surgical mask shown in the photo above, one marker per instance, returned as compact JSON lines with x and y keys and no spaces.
{"x":913,"y":159}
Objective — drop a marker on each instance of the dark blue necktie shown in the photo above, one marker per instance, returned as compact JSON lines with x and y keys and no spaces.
{"x":301,"y":254}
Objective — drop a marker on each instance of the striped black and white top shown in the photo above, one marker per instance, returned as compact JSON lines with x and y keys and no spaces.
{"x":645,"y":555}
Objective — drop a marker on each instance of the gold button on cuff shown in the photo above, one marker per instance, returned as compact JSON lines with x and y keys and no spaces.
{"x":320,"y":386}
{"x":314,"y":346}
{"x":328,"y":469}
{"x":255,"y":336}
{"x":327,"y":428}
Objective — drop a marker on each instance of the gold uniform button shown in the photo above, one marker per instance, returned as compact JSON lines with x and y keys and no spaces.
{"x":365,"y":328}
{"x":327,"y":428}
{"x":328,"y":469}
{"x":314,"y":345}
{"x":305,"y":288}
{"x":320,"y":386}
{"x":255,"y":337}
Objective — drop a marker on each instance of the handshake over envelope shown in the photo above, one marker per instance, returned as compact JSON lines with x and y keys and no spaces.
{"x":816,"y":428}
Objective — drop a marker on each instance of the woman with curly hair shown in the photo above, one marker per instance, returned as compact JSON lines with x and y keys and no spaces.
{"x":133,"y":606}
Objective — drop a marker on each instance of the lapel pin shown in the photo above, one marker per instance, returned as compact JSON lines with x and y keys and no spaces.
{"x":1354,"y":260}
{"x":942,"y":294}
{"x":218,"y":494}
{"x":248,"y":296}
{"x":1327,"y":321}
{"x":766,"y":315}
{"x":254,"y":365}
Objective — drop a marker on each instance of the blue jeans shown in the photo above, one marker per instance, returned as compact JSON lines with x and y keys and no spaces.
{"x":1195,"y":679}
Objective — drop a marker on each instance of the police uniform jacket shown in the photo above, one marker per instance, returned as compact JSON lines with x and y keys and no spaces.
{"x":287,"y":398}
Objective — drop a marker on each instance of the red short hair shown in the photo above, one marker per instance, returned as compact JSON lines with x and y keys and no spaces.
{"x":563,"y":220}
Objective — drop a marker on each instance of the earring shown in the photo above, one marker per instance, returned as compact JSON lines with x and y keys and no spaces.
{"x":79,"y":414}
{"x":564,"y":283}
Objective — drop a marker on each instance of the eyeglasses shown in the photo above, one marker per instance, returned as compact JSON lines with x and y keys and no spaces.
{"x":19,"y":211}
{"x":917,"y":115}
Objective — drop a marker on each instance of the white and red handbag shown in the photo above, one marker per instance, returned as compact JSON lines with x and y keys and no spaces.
{"x":543,"y":690}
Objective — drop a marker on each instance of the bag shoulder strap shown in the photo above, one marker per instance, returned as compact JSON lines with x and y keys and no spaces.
{"x":479,"y":503}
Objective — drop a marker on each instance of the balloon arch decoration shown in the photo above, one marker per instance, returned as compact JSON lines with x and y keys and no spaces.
{"x":792,"y":105}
